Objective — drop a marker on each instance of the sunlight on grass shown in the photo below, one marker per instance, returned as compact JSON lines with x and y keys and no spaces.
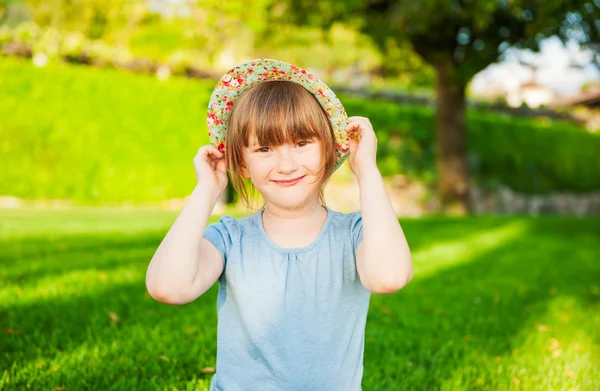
{"x":89,"y":360}
{"x":23,"y":223}
{"x":78,"y":283}
{"x":553,"y":352}
{"x":446,"y":254}
{"x":63,"y":257}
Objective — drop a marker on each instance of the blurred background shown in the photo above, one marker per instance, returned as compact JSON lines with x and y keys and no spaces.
{"x":487,"y":115}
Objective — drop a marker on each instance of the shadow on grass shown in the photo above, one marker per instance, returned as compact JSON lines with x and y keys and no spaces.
{"x":16,"y":249}
{"x":31,"y":257}
{"x":35,"y":257}
{"x":98,"y":340}
{"x":416,"y":339}
{"x":437,"y":326}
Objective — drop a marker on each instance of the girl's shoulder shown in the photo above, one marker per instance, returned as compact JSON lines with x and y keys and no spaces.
{"x":345,"y":217}
{"x":343,"y":214}
{"x":234,"y":224}
{"x":346,"y":225}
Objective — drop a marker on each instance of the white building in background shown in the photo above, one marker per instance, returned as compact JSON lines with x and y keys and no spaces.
{"x":531,"y":94}
{"x":170,"y":8}
{"x":560,"y":71}
{"x":516,"y":85}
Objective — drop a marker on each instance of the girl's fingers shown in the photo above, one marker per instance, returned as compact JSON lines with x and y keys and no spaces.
{"x":210,"y":156}
{"x":353,"y":126}
{"x":354,"y":129}
{"x":358,"y":119}
{"x":221,"y":165}
{"x":357,"y":122}
{"x":210,"y":150}
{"x":210,"y":153}
{"x":359,"y":127}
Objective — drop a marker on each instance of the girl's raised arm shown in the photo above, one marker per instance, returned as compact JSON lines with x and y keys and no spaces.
{"x":186,"y":265}
{"x":383,"y":258}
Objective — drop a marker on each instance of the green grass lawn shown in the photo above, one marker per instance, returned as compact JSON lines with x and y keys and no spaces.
{"x":497,"y":303}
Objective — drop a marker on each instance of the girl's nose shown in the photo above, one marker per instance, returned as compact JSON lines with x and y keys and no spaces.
{"x":287,"y":160}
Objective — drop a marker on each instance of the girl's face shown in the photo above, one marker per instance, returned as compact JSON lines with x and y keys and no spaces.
{"x":286,"y":175}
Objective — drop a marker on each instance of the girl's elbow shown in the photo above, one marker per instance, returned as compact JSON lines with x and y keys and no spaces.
{"x":166,"y":296}
{"x":392,"y":285}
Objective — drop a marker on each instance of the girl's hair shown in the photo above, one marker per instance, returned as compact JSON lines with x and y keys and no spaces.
{"x":277,"y":112}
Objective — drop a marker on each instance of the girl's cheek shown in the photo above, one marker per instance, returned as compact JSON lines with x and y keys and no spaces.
{"x":264,"y":163}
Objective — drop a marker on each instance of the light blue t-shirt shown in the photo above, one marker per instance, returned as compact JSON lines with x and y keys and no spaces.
{"x":289,"y":319}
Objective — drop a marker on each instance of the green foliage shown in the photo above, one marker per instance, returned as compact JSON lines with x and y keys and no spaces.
{"x":28,"y":33}
{"x":98,"y":135}
{"x":405,"y":136}
{"x":495,"y":303}
{"x":401,"y":62}
{"x":94,"y":18}
{"x":533,"y":156}
{"x":339,"y":47}
{"x":5,"y":35}
{"x":156,"y":29}
{"x":3,"y":4}
{"x":158,"y":40}
{"x":13,"y":12}
{"x":102,"y":135}
{"x":216,"y":35}
{"x":530,"y":156}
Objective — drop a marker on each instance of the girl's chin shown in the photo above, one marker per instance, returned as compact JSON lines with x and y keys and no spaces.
{"x":290,"y":200}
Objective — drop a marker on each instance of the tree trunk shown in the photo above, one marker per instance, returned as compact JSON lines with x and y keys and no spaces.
{"x":453,"y":185}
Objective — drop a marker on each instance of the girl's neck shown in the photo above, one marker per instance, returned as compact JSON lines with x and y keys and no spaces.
{"x":307,"y":211}
{"x":294,"y":228}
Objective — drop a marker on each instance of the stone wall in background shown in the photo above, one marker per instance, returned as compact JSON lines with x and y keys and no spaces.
{"x":413,"y":199}
{"x":507,"y":201}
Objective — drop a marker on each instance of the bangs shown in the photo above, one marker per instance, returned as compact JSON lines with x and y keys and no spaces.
{"x":281,"y":126}
{"x":283,"y":113}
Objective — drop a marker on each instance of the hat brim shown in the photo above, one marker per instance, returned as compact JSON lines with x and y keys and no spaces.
{"x":247,"y":74}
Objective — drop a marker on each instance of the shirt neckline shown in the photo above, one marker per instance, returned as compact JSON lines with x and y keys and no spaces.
{"x":274,"y":246}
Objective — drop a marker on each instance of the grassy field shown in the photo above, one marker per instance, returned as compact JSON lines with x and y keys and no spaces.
{"x":497,"y":303}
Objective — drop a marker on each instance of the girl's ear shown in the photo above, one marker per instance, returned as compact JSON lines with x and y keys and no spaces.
{"x":245,"y":173}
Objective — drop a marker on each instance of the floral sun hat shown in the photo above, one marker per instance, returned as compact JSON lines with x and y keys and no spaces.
{"x":249,"y":73}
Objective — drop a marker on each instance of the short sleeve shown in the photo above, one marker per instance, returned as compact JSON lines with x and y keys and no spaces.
{"x":356,"y":229}
{"x":221,"y":235}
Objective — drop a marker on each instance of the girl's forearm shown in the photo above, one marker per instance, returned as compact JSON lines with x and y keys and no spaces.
{"x":175,"y":262}
{"x":387,"y":260}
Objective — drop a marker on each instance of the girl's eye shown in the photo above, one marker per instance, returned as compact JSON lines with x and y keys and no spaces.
{"x":263,"y":149}
{"x":302,"y":143}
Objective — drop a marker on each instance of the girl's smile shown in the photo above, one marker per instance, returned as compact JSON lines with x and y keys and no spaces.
{"x":289,"y":182}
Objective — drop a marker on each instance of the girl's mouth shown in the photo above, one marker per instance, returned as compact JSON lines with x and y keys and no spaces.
{"x":289,"y":182}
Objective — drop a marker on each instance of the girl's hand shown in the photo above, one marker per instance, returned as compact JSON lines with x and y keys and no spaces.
{"x":211,"y":168}
{"x":362,"y":144}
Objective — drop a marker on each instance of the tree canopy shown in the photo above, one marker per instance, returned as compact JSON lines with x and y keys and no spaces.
{"x":469,"y":33}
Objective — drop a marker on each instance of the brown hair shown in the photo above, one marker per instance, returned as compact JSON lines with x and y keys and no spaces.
{"x":277,"y":112}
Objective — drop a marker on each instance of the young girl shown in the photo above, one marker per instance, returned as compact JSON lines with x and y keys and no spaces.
{"x":294,"y":278}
